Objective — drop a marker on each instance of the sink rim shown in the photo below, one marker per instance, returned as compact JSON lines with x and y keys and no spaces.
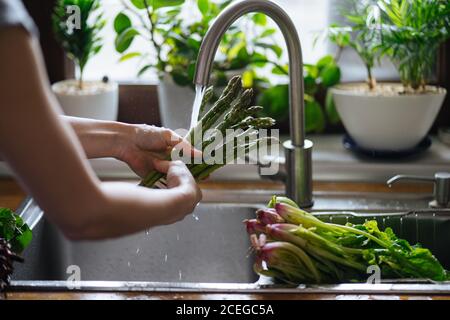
{"x":257,"y":287}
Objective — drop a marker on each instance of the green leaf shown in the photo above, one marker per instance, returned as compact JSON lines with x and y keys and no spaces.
{"x":260,"y":19}
{"x":330,"y":109}
{"x":14,"y":230}
{"x":275,"y":48}
{"x":203,"y":6}
{"x":124,"y":40}
{"x":180,"y":78}
{"x":129,"y":56}
{"x":234,"y":51}
{"x":281,"y":70}
{"x":311,"y":86}
{"x":267,"y":33}
{"x":121,"y":23}
{"x":166,"y":3}
{"x":330,"y":76}
{"x":22,"y":240}
{"x":275,"y":101}
{"x":248,"y":78}
{"x":311,"y":70}
{"x":314,"y":117}
{"x":140,"y":4}
{"x":325,"y":61}
{"x":191,"y":71}
{"x":144,"y":69}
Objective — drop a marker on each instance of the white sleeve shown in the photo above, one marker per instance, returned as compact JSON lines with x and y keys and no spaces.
{"x":13,"y":13}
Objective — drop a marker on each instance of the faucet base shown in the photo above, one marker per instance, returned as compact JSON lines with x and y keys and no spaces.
{"x":299,"y":173}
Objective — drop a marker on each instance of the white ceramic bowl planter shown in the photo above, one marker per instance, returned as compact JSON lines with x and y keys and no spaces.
{"x":97,"y":100}
{"x":175,"y":104}
{"x":387,"y":119}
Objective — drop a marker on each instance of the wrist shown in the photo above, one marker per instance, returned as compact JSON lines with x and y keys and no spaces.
{"x":124,"y":138}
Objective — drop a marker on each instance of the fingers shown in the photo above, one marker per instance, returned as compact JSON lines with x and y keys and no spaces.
{"x":179,"y":175}
{"x":185,"y":190}
{"x":161,"y":165}
{"x":173,"y":140}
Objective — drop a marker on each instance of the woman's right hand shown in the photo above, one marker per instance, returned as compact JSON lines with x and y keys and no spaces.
{"x":181,"y":181}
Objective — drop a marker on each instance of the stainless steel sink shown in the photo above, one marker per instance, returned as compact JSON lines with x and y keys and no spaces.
{"x":208,"y":251}
{"x":208,"y":246}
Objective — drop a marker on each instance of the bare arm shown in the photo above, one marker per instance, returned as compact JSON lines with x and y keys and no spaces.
{"x":136,"y":144}
{"x":49,"y":160}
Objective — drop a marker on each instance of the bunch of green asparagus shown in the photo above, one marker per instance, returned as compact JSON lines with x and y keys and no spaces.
{"x":212,"y":133}
{"x":295,"y":247}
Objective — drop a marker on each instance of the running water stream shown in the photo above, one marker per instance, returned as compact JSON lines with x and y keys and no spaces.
{"x":199,"y":93}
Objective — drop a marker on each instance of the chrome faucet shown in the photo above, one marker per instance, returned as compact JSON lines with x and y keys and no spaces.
{"x":298,"y":150}
{"x":441,"y":191}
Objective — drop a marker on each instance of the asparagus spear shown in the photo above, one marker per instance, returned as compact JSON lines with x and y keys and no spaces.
{"x":206,"y":98}
{"x":234,"y":107}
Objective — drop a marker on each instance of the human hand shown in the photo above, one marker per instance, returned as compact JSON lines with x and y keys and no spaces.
{"x":180,"y":181}
{"x":144,"y":144}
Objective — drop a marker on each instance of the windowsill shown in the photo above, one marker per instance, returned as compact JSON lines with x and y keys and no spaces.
{"x":331,"y":162}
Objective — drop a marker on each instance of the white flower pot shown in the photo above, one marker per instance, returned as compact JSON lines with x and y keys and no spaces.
{"x":175,"y":104}
{"x":387,"y":120}
{"x":97,"y":100}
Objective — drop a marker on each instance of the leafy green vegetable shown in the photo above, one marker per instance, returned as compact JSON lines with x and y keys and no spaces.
{"x":333,"y":253}
{"x":14,"y":230}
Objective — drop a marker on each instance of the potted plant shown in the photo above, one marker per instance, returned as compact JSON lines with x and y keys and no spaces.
{"x":392,"y":116}
{"x":249,"y":48}
{"x":78,"y":97}
{"x":175,"y":44}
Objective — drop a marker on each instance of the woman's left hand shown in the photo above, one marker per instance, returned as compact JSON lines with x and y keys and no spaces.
{"x":144,"y":143}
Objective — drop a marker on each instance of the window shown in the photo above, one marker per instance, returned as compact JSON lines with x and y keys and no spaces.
{"x":309,"y":16}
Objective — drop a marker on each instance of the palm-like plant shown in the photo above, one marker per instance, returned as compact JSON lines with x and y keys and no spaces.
{"x":81,"y":43}
{"x":412,"y":32}
{"x":360,"y":34}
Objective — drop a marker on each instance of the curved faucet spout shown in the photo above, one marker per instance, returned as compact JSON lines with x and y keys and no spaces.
{"x":298,"y":150}
{"x":223,"y":22}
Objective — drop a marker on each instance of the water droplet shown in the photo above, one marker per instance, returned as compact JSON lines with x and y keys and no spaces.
{"x":165,"y":258}
{"x":147,"y":232}
{"x":129,"y":264}
{"x":137,"y":250}
{"x":195,"y":217}
{"x":178,"y":237}
{"x":180,"y":276}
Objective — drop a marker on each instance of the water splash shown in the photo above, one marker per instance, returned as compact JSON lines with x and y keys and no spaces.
{"x":196,"y":218}
{"x":165,"y":258}
{"x":199,"y":93}
{"x":138,"y":250}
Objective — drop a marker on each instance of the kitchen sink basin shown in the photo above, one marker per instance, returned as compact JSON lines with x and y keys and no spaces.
{"x":209,"y":246}
{"x":209,"y":250}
